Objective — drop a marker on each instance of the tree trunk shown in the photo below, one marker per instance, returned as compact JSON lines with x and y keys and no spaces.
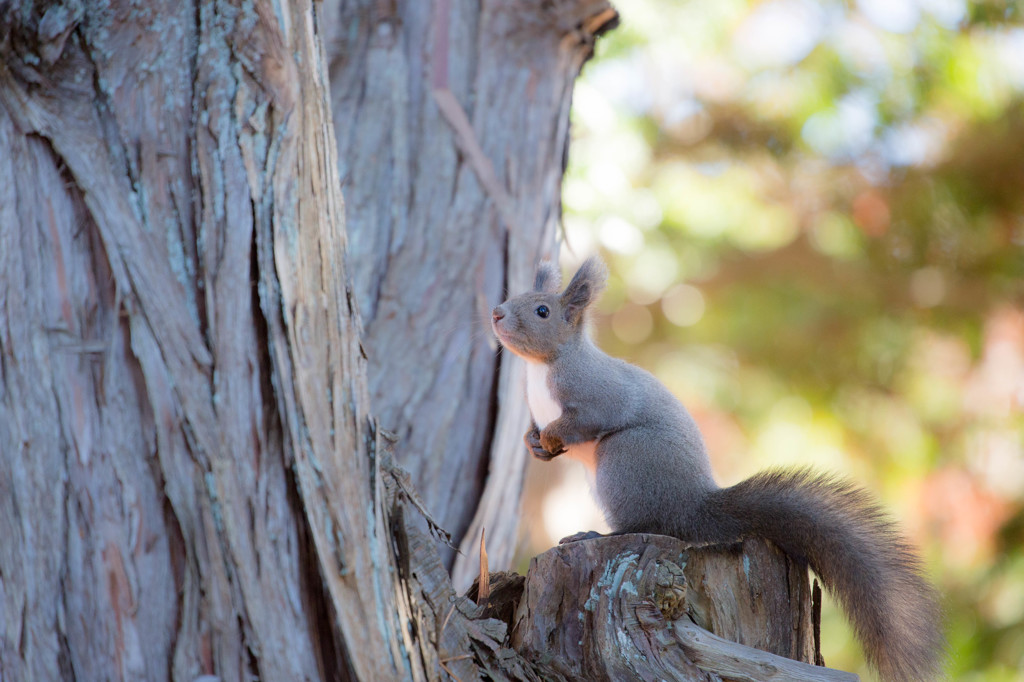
{"x":187,"y":479}
{"x":452,"y":125}
{"x":190,"y":478}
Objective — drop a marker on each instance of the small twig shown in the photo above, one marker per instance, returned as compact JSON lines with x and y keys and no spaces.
{"x":484,"y":585}
{"x":445,"y":623}
{"x":450,"y":673}
{"x":603,"y":21}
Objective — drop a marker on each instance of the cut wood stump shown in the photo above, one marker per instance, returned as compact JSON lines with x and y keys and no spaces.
{"x":651,"y":607}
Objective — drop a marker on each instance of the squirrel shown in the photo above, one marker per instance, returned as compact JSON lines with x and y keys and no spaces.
{"x":652,"y":474}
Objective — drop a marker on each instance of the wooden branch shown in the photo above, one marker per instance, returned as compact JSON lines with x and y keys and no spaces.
{"x":746,"y":664}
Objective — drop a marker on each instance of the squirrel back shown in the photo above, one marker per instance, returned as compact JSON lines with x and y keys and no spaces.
{"x":653,"y":475}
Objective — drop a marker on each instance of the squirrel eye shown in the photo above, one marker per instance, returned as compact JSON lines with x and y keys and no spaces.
{"x":542,"y":311}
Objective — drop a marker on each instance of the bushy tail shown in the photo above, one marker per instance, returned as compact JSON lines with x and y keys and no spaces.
{"x":858,"y":554}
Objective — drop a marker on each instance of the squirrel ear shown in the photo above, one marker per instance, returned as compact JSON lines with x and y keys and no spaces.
{"x":584,"y":288}
{"x":548,"y":279}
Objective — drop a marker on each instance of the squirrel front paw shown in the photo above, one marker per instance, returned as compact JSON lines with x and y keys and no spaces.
{"x":532,"y":440}
{"x":552,"y":443}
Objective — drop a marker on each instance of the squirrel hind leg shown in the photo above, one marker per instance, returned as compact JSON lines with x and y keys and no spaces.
{"x":647,"y":482}
{"x":582,"y":535}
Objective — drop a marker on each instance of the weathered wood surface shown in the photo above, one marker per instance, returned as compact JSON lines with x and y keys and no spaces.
{"x":642,"y":606}
{"x":186,"y":466}
{"x":452,"y":119}
{"x":190,"y":480}
{"x":739,"y":663}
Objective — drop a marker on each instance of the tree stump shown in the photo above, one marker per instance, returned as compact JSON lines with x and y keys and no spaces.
{"x":653,"y":607}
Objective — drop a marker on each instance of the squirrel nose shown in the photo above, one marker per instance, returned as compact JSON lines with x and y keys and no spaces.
{"x":497,"y":314}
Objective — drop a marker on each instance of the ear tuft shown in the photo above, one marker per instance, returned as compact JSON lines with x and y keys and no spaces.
{"x":548,"y":279}
{"x":586,"y":285}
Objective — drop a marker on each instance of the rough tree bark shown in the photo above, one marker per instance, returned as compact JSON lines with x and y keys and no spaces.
{"x":190,"y":478}
{"x":186,"y":477}
{"x":452,"y":125}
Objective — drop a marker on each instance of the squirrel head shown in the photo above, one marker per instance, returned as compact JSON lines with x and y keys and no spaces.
{"x":536,"y":324}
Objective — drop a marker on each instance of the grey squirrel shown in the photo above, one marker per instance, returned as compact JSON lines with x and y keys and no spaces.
{"x":653,"y":475}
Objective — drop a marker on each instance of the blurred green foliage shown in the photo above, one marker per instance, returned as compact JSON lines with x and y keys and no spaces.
{"x":814,"y":217}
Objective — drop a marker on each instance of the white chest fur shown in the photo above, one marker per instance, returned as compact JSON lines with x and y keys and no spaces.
{"x":543,"y":406}
{"x":545,"y":409}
